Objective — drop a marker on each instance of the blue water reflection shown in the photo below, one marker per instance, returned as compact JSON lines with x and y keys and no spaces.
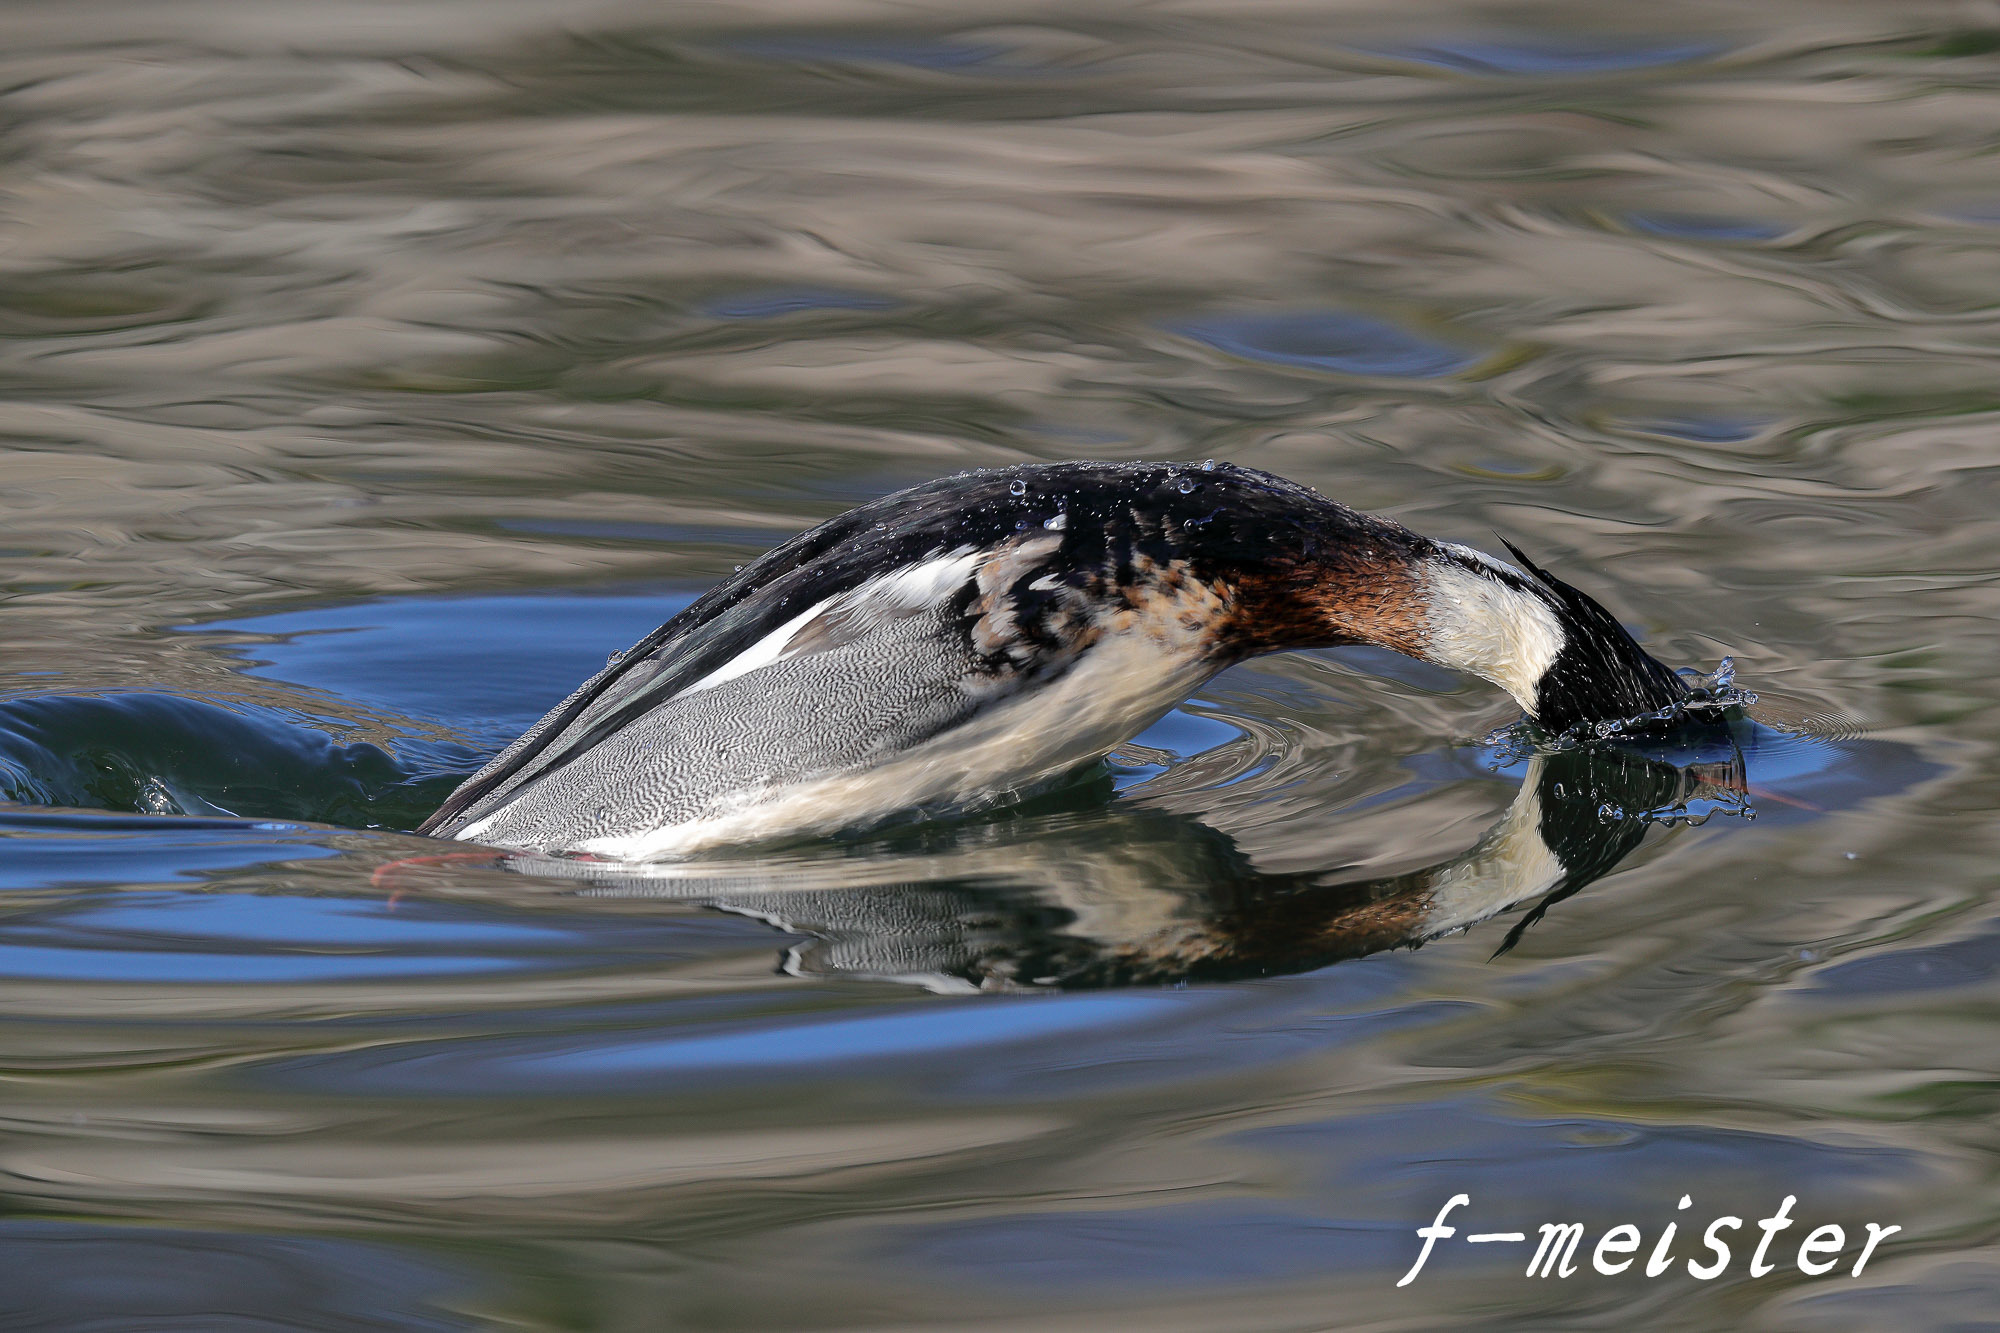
{"x":209,"y":937}
{"x":1186,"y":734}
{"x":84,"y":1275}
{"x":1795,"y":779}
{"x":337,"y":922}
{"x":1329,"y":340}
{"x":82,"y":851}
{"x":1699,"y":227}
{"x":777,"y":302}
{"x":1552,"y":55}
{"x":1707,"y":429}
{"x":95,"y":963}
{"x":898,"y":1031}
{"x":1970,"y":962}
{"x":491,"y":662}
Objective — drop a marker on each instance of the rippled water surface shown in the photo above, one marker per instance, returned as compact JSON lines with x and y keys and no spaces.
{"x":373,"y":371}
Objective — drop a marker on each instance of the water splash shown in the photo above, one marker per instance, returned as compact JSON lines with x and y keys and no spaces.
{"x":1699,"y":732}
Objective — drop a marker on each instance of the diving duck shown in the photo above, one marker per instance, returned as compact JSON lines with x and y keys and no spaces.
{"x":976,"y":636}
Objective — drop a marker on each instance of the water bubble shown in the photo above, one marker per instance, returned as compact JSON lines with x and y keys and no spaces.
{"x":1017,"y":487}
{"x":1185,"y":486}
{"x":1850,"y":856}
{"x":1057,"y":523}
{"x":1208,"y":465}
{"x":1557,"y":791}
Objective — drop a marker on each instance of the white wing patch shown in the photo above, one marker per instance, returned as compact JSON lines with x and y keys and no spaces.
{"x":919,"y":585}
{"x":911,"y":588}
{"x":761,"y":653}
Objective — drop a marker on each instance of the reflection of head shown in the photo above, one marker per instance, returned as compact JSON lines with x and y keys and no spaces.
{"x":1131,"y":895}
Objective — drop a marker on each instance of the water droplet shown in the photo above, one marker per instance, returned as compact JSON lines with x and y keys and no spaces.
{"x":1608,"y":812}
{"x":1020,"y":524}
{"x":1057,"y":523}
{"x":1557,"y":791}
{"x":1185,"y":486}
{"x":1208,"y":465}
{"x":616,"y":657}
{"x":1850,"y":856}
{"x":1017,"y":487}
{"x":737,"y":568}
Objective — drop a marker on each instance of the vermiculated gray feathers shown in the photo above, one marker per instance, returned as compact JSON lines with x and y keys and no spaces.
{"x":871,"y":694}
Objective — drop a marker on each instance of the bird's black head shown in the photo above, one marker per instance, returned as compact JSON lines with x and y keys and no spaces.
{"x":1600,"y":673}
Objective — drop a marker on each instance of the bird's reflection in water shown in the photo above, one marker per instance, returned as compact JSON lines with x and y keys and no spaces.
{"x":1137,"y":896}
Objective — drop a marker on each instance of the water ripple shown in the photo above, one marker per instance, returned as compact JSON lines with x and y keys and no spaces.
{"x":372,"y":373}
{"x":1329,"y":340}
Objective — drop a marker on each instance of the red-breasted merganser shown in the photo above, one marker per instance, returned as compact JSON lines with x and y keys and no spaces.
{"x":977,"y":635}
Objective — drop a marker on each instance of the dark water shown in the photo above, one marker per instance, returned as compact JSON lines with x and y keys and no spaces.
{"x":373,"y":371}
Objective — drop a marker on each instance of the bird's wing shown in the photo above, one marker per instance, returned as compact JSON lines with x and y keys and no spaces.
{"x":952,"y":614}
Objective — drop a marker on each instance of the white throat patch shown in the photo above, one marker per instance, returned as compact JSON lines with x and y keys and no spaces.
{"x":1511,"y":863}
{"x":1489,"y":628}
